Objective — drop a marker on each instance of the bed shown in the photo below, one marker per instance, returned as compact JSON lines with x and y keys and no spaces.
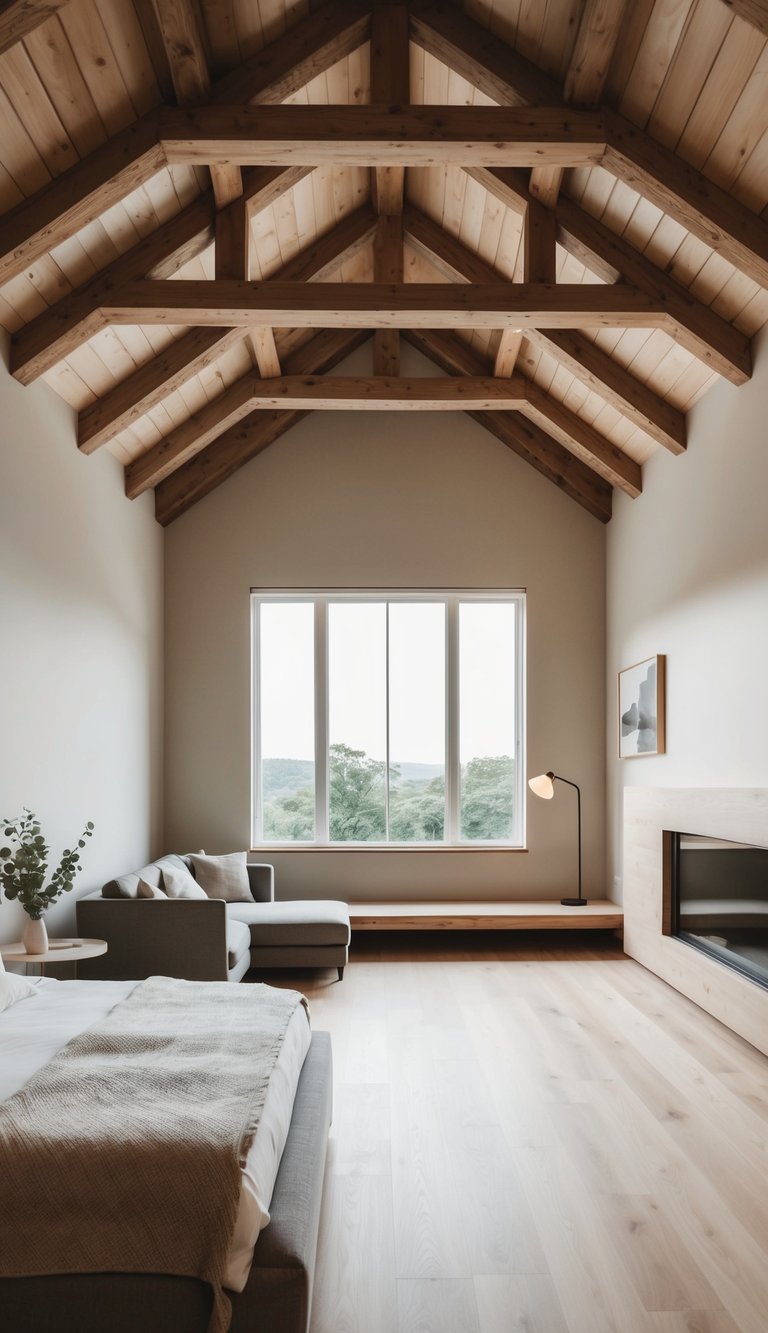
{"x":270,"y":1258}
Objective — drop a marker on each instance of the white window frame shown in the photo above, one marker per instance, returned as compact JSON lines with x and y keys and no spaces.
{"x":452,"y":598}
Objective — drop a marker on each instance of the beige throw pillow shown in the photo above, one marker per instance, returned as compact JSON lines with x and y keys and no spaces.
{"x":223,"y":876}
{"x":145,"y":890}
{"x":179,"y":883}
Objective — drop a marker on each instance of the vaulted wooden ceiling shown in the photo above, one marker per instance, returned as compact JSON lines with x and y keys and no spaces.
{"x":207,"y":204}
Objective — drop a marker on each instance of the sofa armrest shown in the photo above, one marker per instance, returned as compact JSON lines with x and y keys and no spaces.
{"x":149,"y":937}
{"x":261,"y":878}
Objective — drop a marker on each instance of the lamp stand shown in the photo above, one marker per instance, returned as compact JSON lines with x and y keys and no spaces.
{"x":581,"y":900}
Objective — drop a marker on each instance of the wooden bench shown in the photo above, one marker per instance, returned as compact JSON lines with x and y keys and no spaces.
{"x":599,"y":914}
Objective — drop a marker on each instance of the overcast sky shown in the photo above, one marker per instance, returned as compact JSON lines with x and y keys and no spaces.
{"x":358,"y":684}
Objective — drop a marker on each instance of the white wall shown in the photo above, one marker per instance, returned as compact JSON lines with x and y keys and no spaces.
{"x":379,"y":499}
{"x":688,"y":576}
{"x":80,"y":646}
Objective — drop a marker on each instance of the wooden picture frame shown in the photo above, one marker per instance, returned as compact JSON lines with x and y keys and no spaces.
{"x":641,"y":708}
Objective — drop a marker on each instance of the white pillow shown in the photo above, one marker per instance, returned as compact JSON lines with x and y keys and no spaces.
{"x":223,"y":876}
{"x":179,"y":883}
{"x":146,"y":890}
{"x":13,"y":988}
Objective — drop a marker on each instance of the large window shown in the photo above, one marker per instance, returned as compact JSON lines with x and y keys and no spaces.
{"x":388,"y":718}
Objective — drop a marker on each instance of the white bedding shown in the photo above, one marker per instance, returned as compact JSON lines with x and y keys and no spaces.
{"x":34,"y":1029}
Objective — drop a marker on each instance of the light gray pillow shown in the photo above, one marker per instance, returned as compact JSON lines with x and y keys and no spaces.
{"x":180,"y":884}
{"x":223,"y":876}
{"x":145,"y":890}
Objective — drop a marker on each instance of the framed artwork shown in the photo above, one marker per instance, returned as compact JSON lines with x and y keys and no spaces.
{"x":641,"y":708}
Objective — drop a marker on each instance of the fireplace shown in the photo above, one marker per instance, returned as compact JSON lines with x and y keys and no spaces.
{"x":724,"y":815}
{"x":716,"y":892}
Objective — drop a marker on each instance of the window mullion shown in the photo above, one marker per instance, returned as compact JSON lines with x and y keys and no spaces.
{"x":452,"y":757}
{"x":386,"y":723}
{"x":257,"y":821}
{"x":321,"y":721}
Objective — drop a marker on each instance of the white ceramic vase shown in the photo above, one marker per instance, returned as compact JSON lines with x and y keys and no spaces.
{"x":34,"y":936}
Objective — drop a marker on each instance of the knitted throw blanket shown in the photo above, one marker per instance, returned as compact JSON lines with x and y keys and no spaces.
{"x":124,"y":1153}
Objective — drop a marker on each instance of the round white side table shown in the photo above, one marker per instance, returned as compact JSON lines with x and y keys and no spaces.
{"x":71,"y":952}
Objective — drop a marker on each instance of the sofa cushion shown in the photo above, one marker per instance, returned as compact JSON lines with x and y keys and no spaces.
{"x":322,"y":921}
{"x":223,"y":876}
{"x":127,"y":886}
{"x":146,"y":890}
{"x":238,"y":941}
{"x":179,"y":883}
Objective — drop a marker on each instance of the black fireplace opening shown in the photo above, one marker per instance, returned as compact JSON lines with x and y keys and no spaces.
{"x":719,"y":900}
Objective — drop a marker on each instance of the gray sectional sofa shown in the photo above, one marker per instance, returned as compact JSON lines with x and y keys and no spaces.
{"x":209,"y":940}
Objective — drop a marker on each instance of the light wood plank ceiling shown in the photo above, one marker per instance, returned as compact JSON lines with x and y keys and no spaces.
{"x":207,"y":204}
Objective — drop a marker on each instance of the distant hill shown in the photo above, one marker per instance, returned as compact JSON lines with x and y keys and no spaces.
{"x":283,"y":777}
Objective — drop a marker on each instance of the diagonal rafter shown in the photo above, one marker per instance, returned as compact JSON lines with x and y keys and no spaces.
{"x":589,"y":363}
{"x":576,"y":480}
{"x":20,"y":17}
{"x":174,"y":367}
{"x":238,"y":445}
{"x":599,"y":30}
{"x":69,"y":323}
{"x":128,"y":160}
{"x":696,"y":326}
{"x":714,"y":216}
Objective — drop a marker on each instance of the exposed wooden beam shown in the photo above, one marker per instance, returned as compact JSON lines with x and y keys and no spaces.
{"x":380,"y":136}
{"x":583,"y":440}
{"x":314,"y":43}
{"x":390,"y":86}
{"x":319,"y":393}
{"x":20,"y":17}
{"x":754,"y":12}
{"x":507,"y":352}
{"x":233,"y":260}
{"x":79,"y":195}
{"x":711,"y":214}
{"x":56,"y":333}
{"x":539,"y":244}
{"x":583,"y":358}
{"x":174,"y":367}
{"x":111,"y":172}
{"x":479,"y":55}
{"x":599,"y":29}
{"x":696,"y":203}
{"x":238,"y":445}
{"x":698,"y":328}
{"x":373,"y":305}
{"x":69,"y":323}
{"x":523,"y":437}
{"x":387,"y":268}
{"x":180,"y":29}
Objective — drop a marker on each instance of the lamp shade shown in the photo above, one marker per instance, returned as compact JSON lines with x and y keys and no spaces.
{"x":543,"y":786}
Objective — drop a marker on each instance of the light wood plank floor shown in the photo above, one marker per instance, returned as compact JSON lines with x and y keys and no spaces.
{"x":535,"y":1136}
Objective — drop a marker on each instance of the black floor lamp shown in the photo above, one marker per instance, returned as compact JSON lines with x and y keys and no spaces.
{"x":544,"y":786}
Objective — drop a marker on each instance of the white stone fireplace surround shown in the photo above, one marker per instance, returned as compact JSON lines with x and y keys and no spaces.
{"x":737,"y":814}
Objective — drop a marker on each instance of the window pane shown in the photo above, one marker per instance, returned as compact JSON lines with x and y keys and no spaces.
{"x":487,"y":719}
{"x":416,"y":721}
{"x":287,"y":670}
{"x":357,"y":746}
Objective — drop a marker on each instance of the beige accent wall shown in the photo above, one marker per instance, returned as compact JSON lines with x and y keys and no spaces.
{"x":688,"y":576}
{"x":81,"y":646}
{"x":387,"y":500}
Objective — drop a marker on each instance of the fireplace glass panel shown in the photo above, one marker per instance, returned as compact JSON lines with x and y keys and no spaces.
{"x":720,"y":901}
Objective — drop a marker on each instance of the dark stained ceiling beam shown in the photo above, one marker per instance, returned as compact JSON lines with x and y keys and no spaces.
{"x":583,"y":358}
{"x":238,"y":445}
{"x":375,"y":305}
{"x":699,"y":205}
{"x":526,"y":439}
{"x":20,"y":17}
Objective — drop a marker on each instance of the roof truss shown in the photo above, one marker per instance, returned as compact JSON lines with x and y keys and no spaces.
{"x":256,"y":149}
